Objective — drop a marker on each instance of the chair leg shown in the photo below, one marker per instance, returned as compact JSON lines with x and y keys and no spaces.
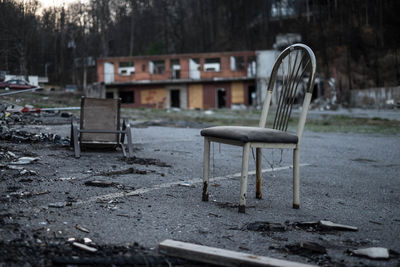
{"x":129,"y":137}
{"x":77,"y":148}
{"x":243,"y":181}
{"x":296,"y":179}
{"x":206,"y":168}
{"x":258,"y":173}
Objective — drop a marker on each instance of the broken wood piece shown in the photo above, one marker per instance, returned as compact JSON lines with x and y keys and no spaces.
{"x":372,"y":253}
{"x":331,"y":225}
{"x":99,"y":183}
{"x":84,"y":247}
{"x":312,"y":246}
{"x":80,"y":228}
{"x":219,"y":256}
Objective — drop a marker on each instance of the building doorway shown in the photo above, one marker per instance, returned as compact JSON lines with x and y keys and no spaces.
{"x":221,"y":98}
{"x":175,"y":98}
{"x":251,"y":95}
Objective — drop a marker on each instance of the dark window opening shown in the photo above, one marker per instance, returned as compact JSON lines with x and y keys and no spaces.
{"x":237,"y":63}
{"x":144,"y":67}
{"x":159,"y":67}
{"x":175,"y":99}
{"x":127,"y":97}
{"x":110,"y":95}
{"x":212,"y":64}
{"x":221,"y":98}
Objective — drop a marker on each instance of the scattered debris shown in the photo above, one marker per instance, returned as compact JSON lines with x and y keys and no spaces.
{"x":372,"y":252}
{"x":57,"y":205}
{"x":265,"y":227}
{"x":99,"y":183}
{"x":121,"y":172}
{"x":336,"y":226}
{"x":87,"y":240}
{"x":24,"y":161}
{"x":186,"y":184}
{"x":145,"y":161}
{"x":84,"y":247}
{"x":28,"y":172}
{"x":323,"y":225}
{"x":230,"y":205}
{"x":312,"y":246}
{"x":221,"y":257}
{"x":80,"y":228}
{"x":71,"y":239}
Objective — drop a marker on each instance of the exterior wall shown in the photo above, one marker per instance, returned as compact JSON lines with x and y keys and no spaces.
{"x":195,"y":96}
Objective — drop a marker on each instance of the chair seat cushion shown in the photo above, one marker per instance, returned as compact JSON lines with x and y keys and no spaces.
{"x":250,"y":134}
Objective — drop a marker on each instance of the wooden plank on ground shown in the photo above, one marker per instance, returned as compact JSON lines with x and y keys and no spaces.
{"x":219,"y":256}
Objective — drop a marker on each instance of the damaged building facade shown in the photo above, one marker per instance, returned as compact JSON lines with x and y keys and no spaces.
{"x":188,"y":81}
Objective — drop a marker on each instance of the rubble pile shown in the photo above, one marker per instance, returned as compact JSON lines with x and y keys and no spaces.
{"x":21,"y":136}
{"x":7,"y":120}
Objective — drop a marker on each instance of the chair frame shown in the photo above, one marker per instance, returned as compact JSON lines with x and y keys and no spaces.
{"x":259,"y":146}
{"x":76,"y":137}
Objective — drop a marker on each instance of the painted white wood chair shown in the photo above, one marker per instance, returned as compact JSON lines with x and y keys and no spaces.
{"x":295,"y":69}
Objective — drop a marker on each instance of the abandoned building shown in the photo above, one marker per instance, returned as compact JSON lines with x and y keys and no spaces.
{"x":188,"y":81}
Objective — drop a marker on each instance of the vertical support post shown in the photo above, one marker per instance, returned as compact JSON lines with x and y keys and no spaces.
{"x":206,"y":168}
{"x":296,"y":178}
{"x":243,"y":180}
{"x":258,"y":173}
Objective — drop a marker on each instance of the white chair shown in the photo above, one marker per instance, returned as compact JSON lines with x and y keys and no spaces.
{"x":295,"y":69}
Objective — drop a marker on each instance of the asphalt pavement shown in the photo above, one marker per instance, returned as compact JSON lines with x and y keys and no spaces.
{"x":351,"y":179}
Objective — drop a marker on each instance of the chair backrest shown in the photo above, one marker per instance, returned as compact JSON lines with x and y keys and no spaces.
{"x":295,"y":70}
{"x":100,"y":114}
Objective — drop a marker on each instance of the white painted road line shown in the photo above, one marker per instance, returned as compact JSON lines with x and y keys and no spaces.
{"x":170,"y":184}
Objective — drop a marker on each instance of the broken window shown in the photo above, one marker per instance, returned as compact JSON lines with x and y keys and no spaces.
{"x":212,"y":64}
{"x":126,"y":68}
{"x":127,"y":97}
{"x":251,"y":66}
{"x":237,"y":63}
{"x":175,"y":69}
{"x":157,"y":67}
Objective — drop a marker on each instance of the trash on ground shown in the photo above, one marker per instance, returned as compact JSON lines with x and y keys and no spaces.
{"x":221,"y":257}
{"x":80,"y":228}
{"x":87,"y":240}
{"x":186,"y":184}
{"x":336,"y":226}
{"x":99,"y":183}
{"x":121,"y":172}
{"x":265,"y":227}
{"x":84,"y":247}
{"x":57,"y":205}
{"x":372,"y":252}
{"x":312,"y":246}
{"x":24,"y":161}
{"x":145,"y":161}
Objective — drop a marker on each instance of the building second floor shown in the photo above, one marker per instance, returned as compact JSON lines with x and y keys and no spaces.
{"x":195,"y":66}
